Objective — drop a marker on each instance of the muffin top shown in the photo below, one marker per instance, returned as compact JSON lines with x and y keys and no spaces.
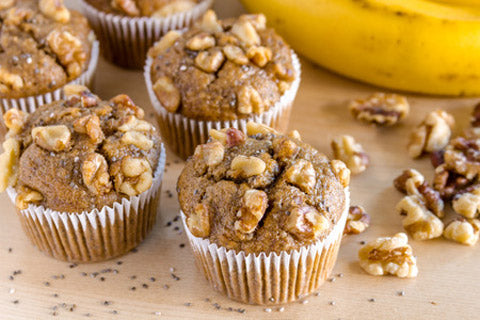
{"x":221,"y":70}
{"x":44,"y":45}
{"x":79,"y":154}
{"x":263,"y":193}
{"x":144,"y":8}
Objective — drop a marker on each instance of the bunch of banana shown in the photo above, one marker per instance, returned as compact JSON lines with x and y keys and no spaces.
{"x":426,"y":46}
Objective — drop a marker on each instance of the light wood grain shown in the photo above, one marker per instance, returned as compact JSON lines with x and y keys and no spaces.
{"x":448,"y":274}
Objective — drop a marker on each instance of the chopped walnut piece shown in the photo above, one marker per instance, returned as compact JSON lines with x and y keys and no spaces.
{"x":254,"y":128}
{"x":284,"y":149}
{"x":302,"y":174}
{"x":90,"y":125}
{"x":14,"y":120}
{"x":432,"y":134}
{"x":198,"y":222}
{"x":122,"y":101}
{"x":129,"y":7}
{"x":254,"y":205}
{"x":467,"y":203}
{"x":132,"y":176}
{"x":409,"y":181}
{"x":245,"y":167}
{"x":209,"y":22}
{"x":77,"y":91}
{"x":383,"y":109}
{"x":27,"y":196}
{"x":137,"y":139}
{"x":246,"y":33}
{"x":341,"y":172}
{"x":132,"y":123}
{"x":259,"y":21}
{"x":211,"y":153}
{"x":210,"y":60}
{"x":95,"y":174}
{"x":464,"y":231}
{"x":167,"y":93}
{"x":463,"y":157}
{"x":52,"y":138}
{"x":475,"y":119}
{"x":164,"y":43}
{"x":6,"y":4}
{"x":294,"y":134}
{"x":345,"y":148}
{"x":306,"y":223}
{"x":357,"y":221}
{"x":249,"y":100}
{"x":235,"y":54}
{"x":69,"y":51}
{"x":173,"y":8}
{"x":201,"y":41}
{"x":259,"y":55}
{"x":389,"y":255}
{"x":419,"y":221}
{"x":8,"y":163}
{"x":228,"y":137}
{"x":10,"y":81}
{"x":54,"y":9}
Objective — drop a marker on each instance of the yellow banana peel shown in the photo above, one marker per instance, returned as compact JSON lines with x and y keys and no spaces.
{"x":426,"y":46}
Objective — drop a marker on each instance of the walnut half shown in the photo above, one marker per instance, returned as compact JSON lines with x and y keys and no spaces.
{"x":357,"y":221}
{"x":464,"y":231}
{"x":380,"y":108}
{"x":346,"y":149}
{"x":389,"y":255}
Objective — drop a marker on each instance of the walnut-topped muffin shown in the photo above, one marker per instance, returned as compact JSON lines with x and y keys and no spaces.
{"x":84,"y":157}
{"x":248,"y":200}
{"x":44,"y":45}
{"x":144,"y":8}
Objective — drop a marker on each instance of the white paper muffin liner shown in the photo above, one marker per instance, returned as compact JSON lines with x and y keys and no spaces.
{"x":125,"y":40}
{"x":98,"y":234}
{"x":269,"y":279}
{"x":31,"y":103}
{"x":183,"y":134}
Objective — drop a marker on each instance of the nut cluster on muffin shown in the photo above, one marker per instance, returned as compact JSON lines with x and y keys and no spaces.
{"x":267,"y":192}
{"x":79,"y":154}
{"x":222,"y":70}
{"x":144,"y":8}
{"x":44,"y":45}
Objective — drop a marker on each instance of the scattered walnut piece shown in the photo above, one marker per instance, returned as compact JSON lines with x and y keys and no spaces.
{"x":463,"y":157}
{"x":409,"y":181}
{"x":166,"y":92}
{"x":201,"y":41}
{"x":211,"y":153}
{"x":173,"y":8}
{"x":132,"y":176}
{"x":246,"y":33}
{"x":198,"y":222}
{"x":210,"y":60}
{"x":303,"y":175}
{"x":209,"y":22}
{"x":254,"y":128}
{"x":69,"y":51}
{"x":432,"y":134}
{"x":90,"y":125}
{"x":464,"y":231}
{"x":259,"y":55}
{"x":467,"y":202}
{"x":357,"y":221}
{"x":419,"y":221}
{"x":449,"y":183}
{"x":8,"y":163}
{"x":346,"y":149}
{"x":235,"y":54}
{"x":137,"y":139}
{"x":254,"y":205}
{"x":306,"y":223}
{"x":389,"y":255}
{"x":54,"y":9}
{"x":95,"y":174}
{"x":164,"y":43}
{"x":128,"y":7}
{"x":10,"y":81}
{"x":249,"y":100}
{"x":27,"y":196}
{"x":52,"y":138}
{"x":245,"y":167}
{"x":14,"y":120}
{"x":341,"y":172}
{"x":383,"y":109}
{"x":6,"y":4}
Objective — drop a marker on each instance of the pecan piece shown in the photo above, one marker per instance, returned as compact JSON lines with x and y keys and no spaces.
{"x":382,"y":109}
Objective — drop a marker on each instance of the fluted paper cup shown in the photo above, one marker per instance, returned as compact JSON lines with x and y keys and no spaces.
{"x":31,"y":103}
{"x":183,"y":134}
{"x":125,"y":40}
{"x":98,"y":234}
{"x":269,"y":278}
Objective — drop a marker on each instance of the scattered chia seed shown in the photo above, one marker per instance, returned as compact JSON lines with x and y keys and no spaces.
{"x":281,"y":309}
{"x":10,"y":250}
{"x":157,"y":313}
{"x":304,"y":301}
{"x":11,"y":291}
{"x":54,"y":313}
{"x":145,"y":286}
{"x":102,"y":278}
{"x":133,"y":288}
{"x":401,"y":293}
{"x":433,"y":303}
{"x":372,"y":300}
{"x":176,"y":228}
{"x":114,"y":312}
{"x":11,"y":278}
{"x":87,"y":315}
{"x":332,"y":279}
{"x":46,"y":284}
{"x":133,"y":277}
{"x":107,"y":303}
{"x":241,"y":310}
{"x":94,"y":274}
{"x":17,"y":272}
{"x":182,"y":245}
{"x":134,"y":250}
{"x":166,"y":286}
{"x":175,"y":277}
{"x":176,"y":217}
{"x":115,"y":271}
{"x":187,"y":304}
{"x":340,"y":275}
{"x":73,"y":265}
{"x":84,"y":274}
{"x":332,"y":303}
{"x":207,"y":299}
{"x":271,"y":299}
{"x":169,"y":223}
{"x":15,"y":301}
{"x":119,"y":262}
{"x":55,"y":295}
{"x":216,"y":306}
{"x":362,"y":242}
{"x":152,"y":279}
{"x":268,"y":310}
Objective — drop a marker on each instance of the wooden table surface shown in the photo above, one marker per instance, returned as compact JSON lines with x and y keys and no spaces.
{"x":140,"y":285}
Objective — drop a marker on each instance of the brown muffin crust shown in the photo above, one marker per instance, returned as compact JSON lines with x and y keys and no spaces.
{"x":221,"y":70}
{"x":82,"y":153}
{"x":143,"y":8}
{"x":265,"y":193}
{"x":43,"y":45}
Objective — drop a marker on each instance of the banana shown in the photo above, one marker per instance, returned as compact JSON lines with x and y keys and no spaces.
{"x":425,"y":46}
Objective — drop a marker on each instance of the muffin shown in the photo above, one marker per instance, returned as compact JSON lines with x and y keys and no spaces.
{"x":264,"y":214}
{"x":44,"y":46}
{"x":128,"y":28}
{"x":220,"y":74}
{"x":84,"y":175}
